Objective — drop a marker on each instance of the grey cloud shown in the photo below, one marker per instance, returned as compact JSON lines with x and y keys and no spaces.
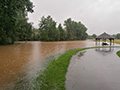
{"x":98,"y":15}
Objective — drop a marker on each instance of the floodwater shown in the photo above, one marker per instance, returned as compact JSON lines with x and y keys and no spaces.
{"x":20,"y":62}
{"x":94,"y":69}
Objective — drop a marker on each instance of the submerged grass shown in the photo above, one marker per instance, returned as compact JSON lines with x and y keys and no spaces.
{"x":53,"y":77}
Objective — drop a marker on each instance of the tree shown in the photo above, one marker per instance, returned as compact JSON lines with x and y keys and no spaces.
{"x":10,"y":10}
{"x":34,"y":34}
{"x":63,"y":34}
{"x":75,"y":30}
{"x":117,"y":36}
{"x":48,"y":30}
{"x":25,"y":32}
{"x":69,"y":28}
{"x":94,"y":35}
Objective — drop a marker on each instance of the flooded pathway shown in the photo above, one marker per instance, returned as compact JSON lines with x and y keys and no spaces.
{"x":94,"y":69}
{"x":20,"y":62}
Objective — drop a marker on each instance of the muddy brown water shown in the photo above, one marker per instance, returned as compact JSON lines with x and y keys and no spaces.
{"x":20,"y":62}
{"x":94,"y":69}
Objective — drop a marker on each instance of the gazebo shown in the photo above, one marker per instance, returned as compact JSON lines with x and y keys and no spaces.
{"x":104,"y":36}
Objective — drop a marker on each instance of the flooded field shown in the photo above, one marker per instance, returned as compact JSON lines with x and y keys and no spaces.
{"x":19,"y":63}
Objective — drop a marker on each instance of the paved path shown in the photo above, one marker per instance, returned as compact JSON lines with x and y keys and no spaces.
{"x":94,"y":69}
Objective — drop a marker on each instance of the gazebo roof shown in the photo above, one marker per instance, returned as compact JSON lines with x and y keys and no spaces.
{"x":105,"y":36}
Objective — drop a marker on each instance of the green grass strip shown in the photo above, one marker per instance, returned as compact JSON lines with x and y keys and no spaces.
{"x":118,"y":53}
{"x":53,"y":77}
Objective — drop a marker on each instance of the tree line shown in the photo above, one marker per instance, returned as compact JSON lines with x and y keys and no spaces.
{"x":14,"y":25}
{"x":72,"y":30}
{"x":116,"y":36}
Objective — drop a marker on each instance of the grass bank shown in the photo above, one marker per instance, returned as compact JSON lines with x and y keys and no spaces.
{"x":53,"y":77}
{"x":118,"y":53}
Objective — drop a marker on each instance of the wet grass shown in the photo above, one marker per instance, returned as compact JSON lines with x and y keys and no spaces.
{"x":53,"y":77}
{"x":117,"y":41}
{"x":118,"y":53}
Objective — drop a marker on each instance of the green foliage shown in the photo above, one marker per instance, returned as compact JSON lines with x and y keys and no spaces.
{"x":92,"y":36}
{"x":53,"y":77}
{"x":63,"y":33}
{"x":118,"y":53}
{"x":10,"y":10}
{"x":35,"y":35}
{"x":117,"y":36}
{"x":75,"y":30}
{"x":24,"y":29}
{"x":14,"y":25}
{"x":69,"y":28}
{"x":57,"y":35}
{"x":48,"y":30}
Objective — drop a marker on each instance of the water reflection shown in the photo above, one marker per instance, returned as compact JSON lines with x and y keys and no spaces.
{"x":94,"y":70}
{"x":104,"y":50}
{"x":25,"y":82}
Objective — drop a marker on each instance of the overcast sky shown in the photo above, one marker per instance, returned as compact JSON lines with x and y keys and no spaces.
{"x":97,"y":15}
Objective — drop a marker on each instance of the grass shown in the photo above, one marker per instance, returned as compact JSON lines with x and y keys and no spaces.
{"x":53,"y":77}
{"x":117,"y":41}
{"x":118,"y":53}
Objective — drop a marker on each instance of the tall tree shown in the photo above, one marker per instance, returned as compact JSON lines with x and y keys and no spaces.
{"x":48,"y":30}
{"x":63,"y":34}
{"x":10,"y":10}
{"x":75,"y":30}
{"x":69,"y":28}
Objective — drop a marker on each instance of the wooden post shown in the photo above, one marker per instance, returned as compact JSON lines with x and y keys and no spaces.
{"x":113,"y":42}
{"x":99,"y":41}
{"x":110,"y":42}
{"x":96,"y":41}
